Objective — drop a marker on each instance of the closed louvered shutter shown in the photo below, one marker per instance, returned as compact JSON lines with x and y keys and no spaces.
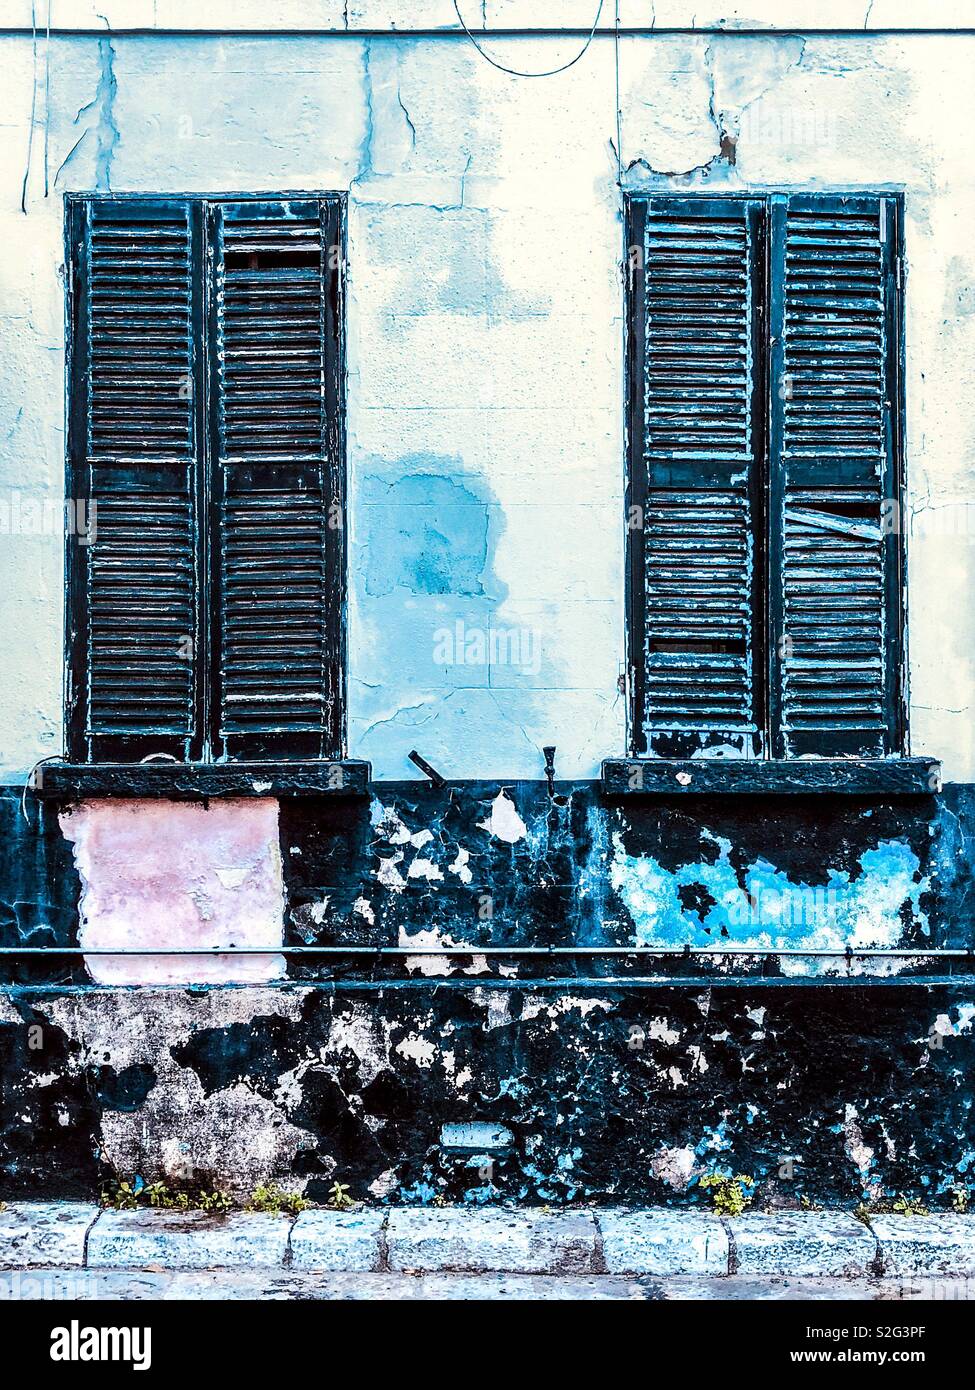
{"x":697,"y":409}
{"x":835,"y":568}
{"x":132,"y":445}
{"x":277,"y":553}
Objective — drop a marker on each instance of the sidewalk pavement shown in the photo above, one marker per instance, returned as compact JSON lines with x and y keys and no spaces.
{"x":660,"y":1242}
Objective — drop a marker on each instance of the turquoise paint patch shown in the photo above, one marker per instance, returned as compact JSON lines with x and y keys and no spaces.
{"x":428,"y":530}
{"x":771,"y":911}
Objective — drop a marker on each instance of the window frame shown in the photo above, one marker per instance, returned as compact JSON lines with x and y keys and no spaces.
{"x":236,"y":773}
{"x":635,"y":495}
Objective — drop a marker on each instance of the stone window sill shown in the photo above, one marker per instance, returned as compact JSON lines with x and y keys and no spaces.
{"x":801,"y":776}
{"x":181,"y":781}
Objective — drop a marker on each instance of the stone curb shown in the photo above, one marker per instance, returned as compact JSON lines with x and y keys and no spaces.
{"x":925,"y":1244}
{"x":803,"y":1243}
{"x":187,"y":1240}
{"x":38,"y":1234}
{"x":663,"y":1242}
{"x":655,"y":1241}
{"x":339,"y":1242}
{"x":491,"y":1240}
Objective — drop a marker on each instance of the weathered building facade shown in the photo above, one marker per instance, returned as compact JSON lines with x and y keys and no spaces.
{"x":677,"y":623}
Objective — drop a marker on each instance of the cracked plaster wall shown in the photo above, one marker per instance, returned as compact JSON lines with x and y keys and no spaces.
{"x":486,"y":619}
{"x":485,"y":337}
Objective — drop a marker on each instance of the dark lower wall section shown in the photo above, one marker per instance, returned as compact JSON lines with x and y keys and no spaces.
{"x":481,"y":1093}
{"x":481,"y":865}
{"x":476,"y":864}
{"x":484,"y":1077}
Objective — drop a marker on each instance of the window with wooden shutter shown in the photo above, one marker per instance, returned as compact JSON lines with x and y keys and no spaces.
{"x":765,"y":607}
{"x":205,"y":617}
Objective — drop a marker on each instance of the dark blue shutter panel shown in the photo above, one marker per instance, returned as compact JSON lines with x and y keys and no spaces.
{"x":698,"y":331}
{"x":277,"y":514}
{"x":835,"y":601}
{"x":132,"y":447}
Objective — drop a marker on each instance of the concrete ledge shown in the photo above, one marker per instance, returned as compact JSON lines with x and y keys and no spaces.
{"x":63,"y":781}
{"x":663,"y":1242}
{"x":37,"y":1234}
{"x":804,"y":1243}
{"x":336,"y":1242}
{"x":926,"y":1244}
{"x":635,"y":777}
{"x":187,"y":1240}
{"x":491,"y":1240}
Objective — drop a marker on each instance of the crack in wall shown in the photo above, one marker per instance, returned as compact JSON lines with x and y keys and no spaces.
{"x":365,"y":157}
{"x":406,"y":115}
{"x":726,"y":120}
{"x":104,"y":129}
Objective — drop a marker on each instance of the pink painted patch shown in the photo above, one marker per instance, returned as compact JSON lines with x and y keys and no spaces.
{"x":175,"y":875}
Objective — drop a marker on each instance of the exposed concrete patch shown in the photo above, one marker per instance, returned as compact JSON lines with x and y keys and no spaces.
{"x":232,"y":1137}
{"x":504,"y":822}
{"x":675,"y":1167}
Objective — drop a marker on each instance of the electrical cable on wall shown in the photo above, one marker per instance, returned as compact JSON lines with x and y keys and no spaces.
{"x":515,"y":72}
{"x":33,"y":104}
{"x":619,"y":113}
{"x":47,"y":93}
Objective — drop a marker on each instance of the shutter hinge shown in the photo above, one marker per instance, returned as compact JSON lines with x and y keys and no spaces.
{"x":899,"y":272}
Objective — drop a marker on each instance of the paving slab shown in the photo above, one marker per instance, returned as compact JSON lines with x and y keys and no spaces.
{"x":44,"y":1233}
{"x":491,"y":1239}
{"x":942,"y":1244}
{"x":187,"y":1240}
{"x":336,"y":1241}
{"x":663,"y":1242}
{"x":809,"y":1243}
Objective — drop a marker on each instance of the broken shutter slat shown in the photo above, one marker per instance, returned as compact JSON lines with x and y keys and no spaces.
{"x":277,"y":504}
{"x":700,"y":425}
{"x":132,"y":447}
{"x":834,"y":592}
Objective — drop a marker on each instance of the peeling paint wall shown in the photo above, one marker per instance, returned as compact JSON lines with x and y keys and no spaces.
{"x":478,"y":865}
{"x":616,"y":1078}
{"x":486,"y":621}
{"x":594,"y":1094}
